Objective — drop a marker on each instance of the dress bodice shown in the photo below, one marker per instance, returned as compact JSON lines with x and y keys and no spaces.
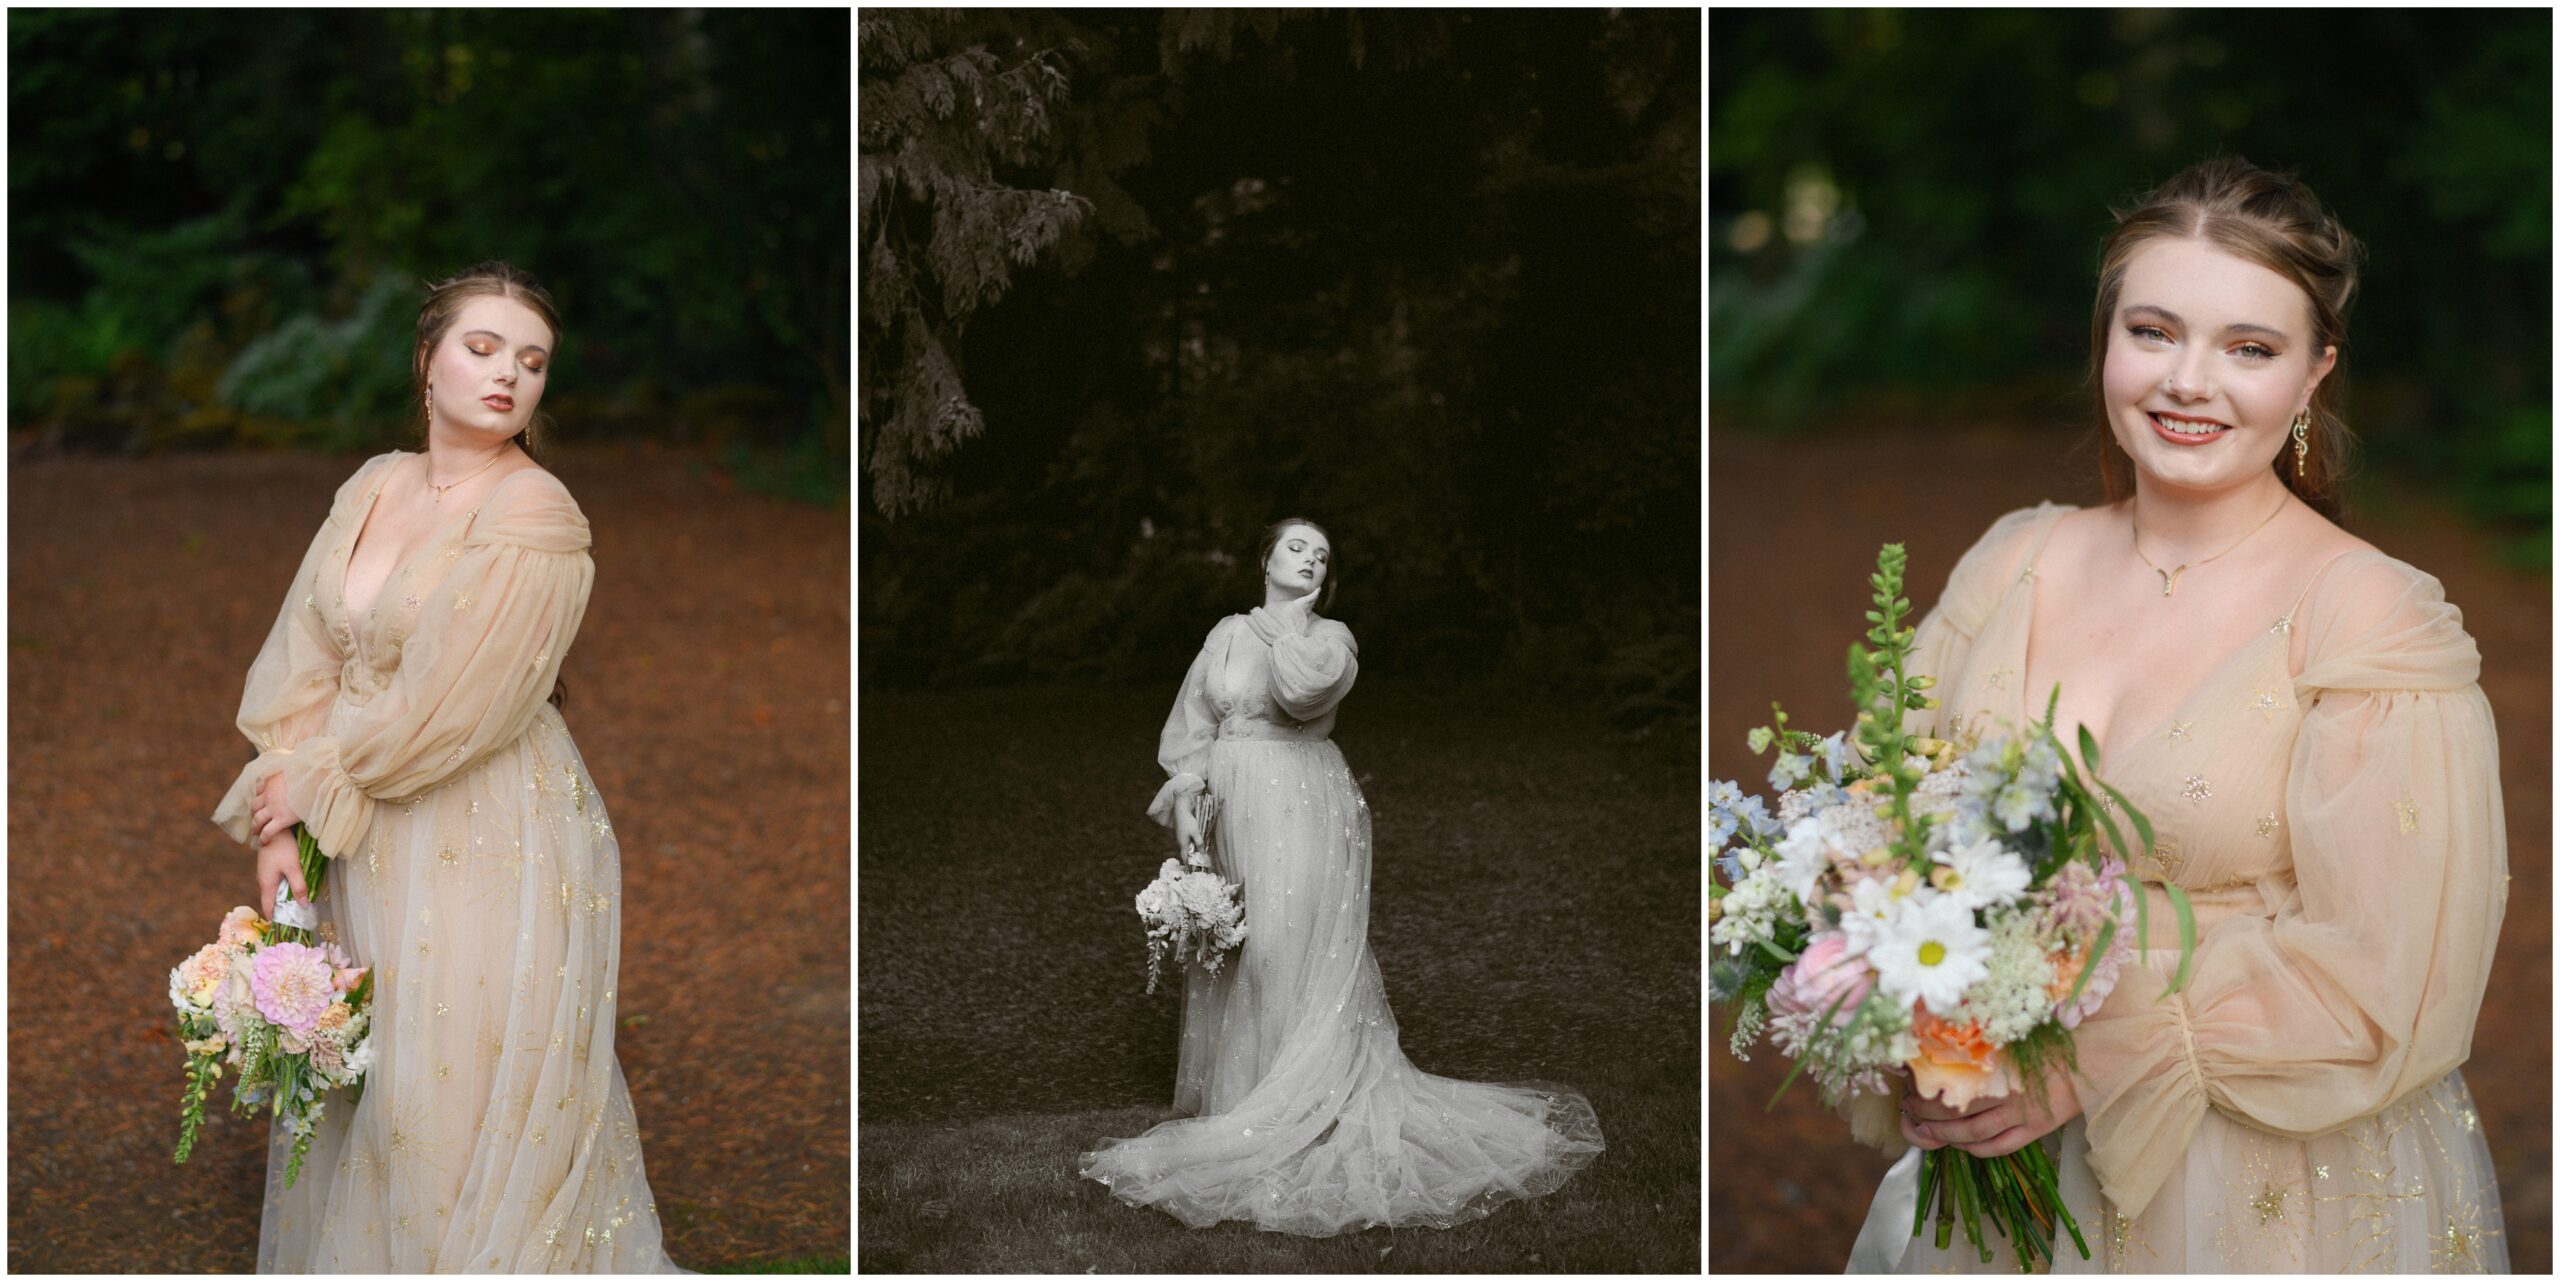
{"x":1240,"y":689}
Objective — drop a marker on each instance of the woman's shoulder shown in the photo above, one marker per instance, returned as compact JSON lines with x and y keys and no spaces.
{"x":2003,"y":548}
{"x":2370,"y":619}
{"x":529,"y":505}
{"x":364,"y":480}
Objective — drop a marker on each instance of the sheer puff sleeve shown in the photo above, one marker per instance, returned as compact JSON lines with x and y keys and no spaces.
{"x":2365,"y":984}
{"x":1183,"y":750}
{"x":294,"y":679}
{"x":1945,"y":635}
{"x":489,"y":644}
{"x":1309,"y":674}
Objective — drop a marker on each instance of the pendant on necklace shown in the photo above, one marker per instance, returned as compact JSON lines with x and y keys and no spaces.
{"x":2168,"y":578}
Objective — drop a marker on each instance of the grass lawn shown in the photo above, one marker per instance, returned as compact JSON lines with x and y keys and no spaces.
{"x":1534,"y":910}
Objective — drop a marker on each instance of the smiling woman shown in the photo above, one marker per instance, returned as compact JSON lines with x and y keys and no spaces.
{"x":2300,"y":715}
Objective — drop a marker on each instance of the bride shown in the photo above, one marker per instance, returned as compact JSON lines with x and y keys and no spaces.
{"x":405,"y":711}
{"x":1306,"y":1116}
{"x":2300,"y":716}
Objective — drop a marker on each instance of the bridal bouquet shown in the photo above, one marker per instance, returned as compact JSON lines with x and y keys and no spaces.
{"x":1192,"y":915}
{"x":290,"y":1015}
{"x":1925,"y":907}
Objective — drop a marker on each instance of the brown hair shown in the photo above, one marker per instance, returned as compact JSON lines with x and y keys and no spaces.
{"x":444,"y":301}
{"x":2270,"y":219}
{"x":1271,"y":539}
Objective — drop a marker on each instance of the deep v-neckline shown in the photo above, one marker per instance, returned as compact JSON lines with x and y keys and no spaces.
{"x":2111,"y":755}
{"x":364,"y":521}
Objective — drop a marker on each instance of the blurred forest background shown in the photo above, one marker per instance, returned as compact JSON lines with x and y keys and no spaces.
{"x":1136,"y":284}
{"x":220,"y":222}
{"x":1906,"y":208}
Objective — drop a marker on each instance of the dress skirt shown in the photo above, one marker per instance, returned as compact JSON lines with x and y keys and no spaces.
{"x":495,"y":1133}
{"x":2408,"y":1190}
{"x":1308,"y":1118}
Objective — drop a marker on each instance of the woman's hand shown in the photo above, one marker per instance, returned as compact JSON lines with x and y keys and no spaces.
{"x":279,"y":860}
{"x":1997,"y":1125}
{"x":1186,"y":826}
{"x":1293,"y":613}
{"x":272,"y":814}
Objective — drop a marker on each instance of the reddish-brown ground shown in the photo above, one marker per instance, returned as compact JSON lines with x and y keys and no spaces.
{"x":709,"y":693}
{"x":1794,"y":529}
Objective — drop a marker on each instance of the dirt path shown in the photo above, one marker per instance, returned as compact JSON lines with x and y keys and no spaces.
{"x":709,"y":692}
{"x":1794,"y":530}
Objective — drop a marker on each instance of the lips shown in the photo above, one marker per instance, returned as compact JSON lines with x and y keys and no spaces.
{"x":501,"y":403}
{"x":2160,"y":427}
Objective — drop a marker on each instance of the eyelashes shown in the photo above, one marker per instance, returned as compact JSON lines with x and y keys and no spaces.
{"x":2252,"y":351}
{"x":535,"y":367}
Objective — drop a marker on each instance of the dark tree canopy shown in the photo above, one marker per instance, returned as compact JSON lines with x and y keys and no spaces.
{"x":1427,"y":276}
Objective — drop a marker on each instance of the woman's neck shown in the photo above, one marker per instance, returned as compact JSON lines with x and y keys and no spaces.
{"x":451,"y":455}
{"x":1274,"y":596}
{"x":2181,"y":525}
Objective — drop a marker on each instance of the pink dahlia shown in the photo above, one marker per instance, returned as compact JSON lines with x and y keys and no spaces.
{"x":292,"y":985}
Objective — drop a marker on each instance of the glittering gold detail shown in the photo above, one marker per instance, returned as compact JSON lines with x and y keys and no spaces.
{"x":1992,"y":680}
{"x":2470,"y":1118}
{"x":2263,"y":703}
{"x":452,"y":858}
{"x":409,"y":601}
{"x":2269,"y":1204}
{"x":2320,"y":1172}
{"x":426,"y":947}
{"x":2267,"y":824}
{"x":2198,"y":788}
{"x":2178,"y":729}
{"x":461,"y":601}
{"x":2456,"y":1247}
{"x":441,"y":1008}
{"x":2284,"y":626}
{"x":444,"y":1070}
{"x":2408,"y":808}
{"x":539,"y":660}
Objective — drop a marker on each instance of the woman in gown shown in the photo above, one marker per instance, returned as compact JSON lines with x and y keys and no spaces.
{"x":2300,"y":717}
{"x":1306,"y":1116}
{"x":399,"y":710}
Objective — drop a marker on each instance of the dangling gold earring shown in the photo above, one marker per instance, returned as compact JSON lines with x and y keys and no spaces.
{"x":431,"y":404}
{"x":2301,"y":441}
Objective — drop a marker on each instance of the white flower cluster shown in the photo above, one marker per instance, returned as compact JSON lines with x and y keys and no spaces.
{"x":1192,"y":916}
{"x":2011,"y":1000}
{"x":1749,"y":912}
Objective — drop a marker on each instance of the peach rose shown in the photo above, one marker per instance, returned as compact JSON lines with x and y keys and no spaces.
{"x":1956,"y":1063}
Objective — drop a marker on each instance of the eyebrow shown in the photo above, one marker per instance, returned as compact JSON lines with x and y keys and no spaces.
{"x":2236,"y":327}
{"x":536,"y":347}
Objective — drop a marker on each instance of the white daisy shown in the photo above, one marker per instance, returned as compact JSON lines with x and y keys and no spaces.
{"x":1872,"y":904}
{"x":1981,"y":874}
{"x":1931,"y":951}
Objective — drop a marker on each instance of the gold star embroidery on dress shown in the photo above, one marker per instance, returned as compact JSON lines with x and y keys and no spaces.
{"x":461,"y":601}
{"x":2470,"y":1118}
{"x":2178,"y":729}
{"x":2269,"y":1203}
{"x":2267,"y":824}
{"x":2171,"y":854}
{"x":2264,"y":703}
{"x":2320,"y":1172}
{"x":2283,"y":625}
{"x":2198,"y":788}
{"x":1991,"y":680}
{"x":2408,"y":808}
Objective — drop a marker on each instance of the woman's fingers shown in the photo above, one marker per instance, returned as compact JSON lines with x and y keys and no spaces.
{"x":1916,"y":1134}
{"x":1976,"y":1128}
{"x":2002,"y":1144}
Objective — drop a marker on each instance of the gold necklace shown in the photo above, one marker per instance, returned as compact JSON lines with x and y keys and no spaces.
{"x":2169,"y":578}
{"x":440,"y":489}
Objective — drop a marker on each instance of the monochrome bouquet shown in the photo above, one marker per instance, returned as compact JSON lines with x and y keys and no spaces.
{"x":1192,"y":915}
{"x":1926,"y":907}
{"x":291,"y":1015}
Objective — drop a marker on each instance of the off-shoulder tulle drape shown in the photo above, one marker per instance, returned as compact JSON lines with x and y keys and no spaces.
{"x":2297,"y":1106}
{"x":1308,"y":1117}
{"x":476,"y":871}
